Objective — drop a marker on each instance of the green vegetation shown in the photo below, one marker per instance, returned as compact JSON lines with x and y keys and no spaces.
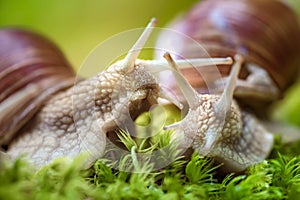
{"x":137,"y":177}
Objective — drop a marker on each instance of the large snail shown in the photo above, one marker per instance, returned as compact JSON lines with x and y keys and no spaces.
{"x":51,"y":114}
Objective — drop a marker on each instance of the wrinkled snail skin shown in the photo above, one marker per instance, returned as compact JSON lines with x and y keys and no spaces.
{"x":76,"y":121}
{"x":268,"y":41}
{"x":73,"y":117}
{"x":73,"y":120}
{"x":215,"y":126}
{"x":47,"y":112}
{"x":266,"y":33}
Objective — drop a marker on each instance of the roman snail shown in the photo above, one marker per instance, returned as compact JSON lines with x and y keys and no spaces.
{"x":47,"y":112}
{"x":217,"y":127}
{"x":75,"y":118}
{"x":266,"y":36}
{"x":265,"y":32}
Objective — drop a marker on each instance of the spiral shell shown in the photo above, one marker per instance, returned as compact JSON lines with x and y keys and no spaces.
{"x":31,"y":69}
{"x":265,"y":32}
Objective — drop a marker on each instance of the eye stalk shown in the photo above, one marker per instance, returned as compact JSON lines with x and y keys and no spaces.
{"x":188,"y":91}
{"x":134,"y":52}
{"x":224,"y":104}
{"x":191,"y":94}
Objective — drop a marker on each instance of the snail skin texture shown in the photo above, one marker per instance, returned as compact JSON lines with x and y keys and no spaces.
{"x":215,"y":126}
{"x":72,"y":117}
{"x":50,"y":113}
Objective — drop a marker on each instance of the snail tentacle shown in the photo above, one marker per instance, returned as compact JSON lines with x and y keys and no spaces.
{"x":258,"y":84}
{"x":129,"y":60}
{"x":224,"y":104}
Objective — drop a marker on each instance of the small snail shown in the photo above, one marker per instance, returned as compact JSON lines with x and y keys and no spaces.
{"x":265,"y":32}
{"x":46,"y":112}
{"x":267,"y":36}
{"x":215,"y":126}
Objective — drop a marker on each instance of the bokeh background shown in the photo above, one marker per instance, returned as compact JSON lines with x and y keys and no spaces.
{"x":79,"y":26}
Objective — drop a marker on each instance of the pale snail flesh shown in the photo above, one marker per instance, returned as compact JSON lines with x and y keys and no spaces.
{"x":75,"y":120}
{"x":215,"y":126}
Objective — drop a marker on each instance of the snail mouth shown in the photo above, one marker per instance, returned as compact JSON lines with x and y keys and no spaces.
{"x":141,"y":103}
{"x":148,"y":91}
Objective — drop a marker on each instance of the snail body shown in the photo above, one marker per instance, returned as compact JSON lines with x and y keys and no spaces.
{"x":215,"y":125}
{"x":74,"y":119}
{"x":266,"y":33}
{"x":63,"y":116}
{"x":71,"y":116}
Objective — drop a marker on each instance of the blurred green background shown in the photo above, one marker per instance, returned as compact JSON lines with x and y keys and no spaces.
{"x":78,"y":26}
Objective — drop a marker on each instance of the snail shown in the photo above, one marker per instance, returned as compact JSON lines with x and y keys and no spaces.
{"x":47,"y":112}
{"x":266,"y":35}
{"x":66,"y":116}
{"x":217,"y":127}
{"x":265,"y":32}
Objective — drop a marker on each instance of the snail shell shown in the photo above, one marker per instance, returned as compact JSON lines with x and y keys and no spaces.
{"x":266,"y":33}
{"x":32,"y":68}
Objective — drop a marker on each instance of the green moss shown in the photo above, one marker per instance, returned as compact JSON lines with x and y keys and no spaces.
{"x":277,"y":178}
{"x":138,"y":177}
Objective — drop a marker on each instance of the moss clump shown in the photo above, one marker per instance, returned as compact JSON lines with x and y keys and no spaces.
{"x":276,"y":178}
{"x":138,"y":177}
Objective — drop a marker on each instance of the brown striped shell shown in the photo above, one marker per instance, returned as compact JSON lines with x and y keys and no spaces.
{"x":31,"y":68}
{"x":265,"y":32}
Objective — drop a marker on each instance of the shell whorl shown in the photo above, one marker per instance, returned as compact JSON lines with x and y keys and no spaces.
{"x":266,"y":33}
{"x":30,"y":63}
